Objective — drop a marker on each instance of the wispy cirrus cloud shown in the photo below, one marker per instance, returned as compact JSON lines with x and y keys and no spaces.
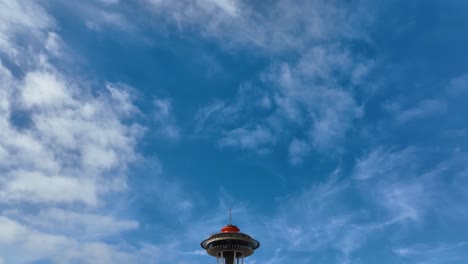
{"x":400,"y":183}
{"x":458,"y":85}
{"x":166,"y":125}
{"x":441,"y":253}
{"x":308,"y":93}
{"x":298,"y":150}
{"x":384,"y":163}
{"x":393,"y":191}
{"x":305,"y":95}
{"x":313,"y":92}
{"x":270,"y":29}
{"x":316,"y":221}
{"x":102,"y":15}
{"x":424,"y":109}
{"x":257,"y":138}
{"x":445,"y":102}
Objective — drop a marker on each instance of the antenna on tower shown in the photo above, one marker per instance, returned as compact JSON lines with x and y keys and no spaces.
{"x":230,"y":216}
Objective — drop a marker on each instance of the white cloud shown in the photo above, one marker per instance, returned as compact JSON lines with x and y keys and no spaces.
{"x":308,"y":91}
{"x":34,"y":187}
{"x":332,"y":121}
{"x":27,"y":15}
{"x":97,"y":19}
{"x":21,"y":244}
{"x":425,"y":108}
{"x":234,"y":23}
{"x":166,"y":125}
{"x":256,"y":138}
{"x":427,"y":253}
{"x":313,"y":93}
{"x":42,"y":89}
{"x":383,"y":163}
{"x":80,"y":224}
{"x":398,"y":183}
{"x":458,"y":85}
{"x":122,"y":96}
{"x":71,"y":140}
{"x":404,"y":187}
{"x":405,"y":200}
{"x":28,"y":18}
{"x":316,"y":220}
{"x":54,"y":44}
{"x":446,"y":102}
{"x":207,"y":113}
{"x":109,"y":2}
{"x":228,"y":6}
{"x":61,"y":146}
{"x":393,"y":191}
{"x":304,"y":95}
{"x":66,"y":151}
{"x":101,"y":15}
{"x":298,"y":149}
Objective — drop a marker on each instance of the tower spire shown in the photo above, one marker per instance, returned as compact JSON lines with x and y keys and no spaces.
{"x":230,"y":216}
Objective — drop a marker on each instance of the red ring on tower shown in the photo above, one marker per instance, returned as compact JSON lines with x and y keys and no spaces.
{"x":230,"y":229}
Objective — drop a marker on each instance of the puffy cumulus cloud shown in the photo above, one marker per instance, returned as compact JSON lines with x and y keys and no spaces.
{"x":71,"y":151}
{"x":69,"y":140}
{"x":34,"y":187}
{"x":28,"y":20}
{"x":43,"y":90}
{"x":63,"y":149}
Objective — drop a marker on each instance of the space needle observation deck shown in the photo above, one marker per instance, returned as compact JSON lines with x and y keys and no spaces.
{"x":230,"y":246}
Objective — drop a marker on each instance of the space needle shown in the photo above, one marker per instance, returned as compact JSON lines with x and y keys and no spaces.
{"x":230,"y":246}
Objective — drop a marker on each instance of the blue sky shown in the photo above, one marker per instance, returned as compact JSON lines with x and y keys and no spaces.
{"x":336,"y":130}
